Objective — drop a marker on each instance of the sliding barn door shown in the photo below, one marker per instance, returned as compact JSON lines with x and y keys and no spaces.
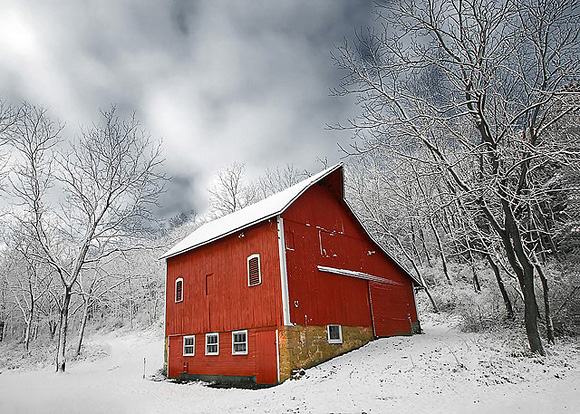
{"x":391,"y":309}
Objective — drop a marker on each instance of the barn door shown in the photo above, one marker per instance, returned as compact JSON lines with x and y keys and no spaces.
{"x":266,"y":357}
{"x":391,"y":309}
{"x":175,"y":364}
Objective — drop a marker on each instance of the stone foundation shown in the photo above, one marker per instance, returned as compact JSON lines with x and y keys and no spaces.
{"x":304,"y":347}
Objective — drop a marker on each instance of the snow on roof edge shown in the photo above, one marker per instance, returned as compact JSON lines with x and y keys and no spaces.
{"x":248,"y":216}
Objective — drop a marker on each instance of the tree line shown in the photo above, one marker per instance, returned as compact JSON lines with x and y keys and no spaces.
{"x":77,"y":208}
{"x":465,"y":160}
{"x":468,"y":133}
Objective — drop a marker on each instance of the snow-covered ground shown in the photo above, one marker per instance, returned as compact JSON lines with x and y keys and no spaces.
{"x":441,"y":371}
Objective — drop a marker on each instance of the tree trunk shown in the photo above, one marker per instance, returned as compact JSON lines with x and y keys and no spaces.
{"x":29,"y":321}
{"x":410,"y":259}
{"x":547,"y":314}
{"x":524,"y":269}
{"x":82,"y":327}
{"x":441,"y":252}
{"x":476,"y":285}
{"x":435,"y":308}
{"x":506,"y":299}
{"x":62,"y":332}
{"x":27,"y":333}
{"x":52,"y":329}
{"x":531,"y":313}
{"x":414,"y":245}
{"x":427,"y":255}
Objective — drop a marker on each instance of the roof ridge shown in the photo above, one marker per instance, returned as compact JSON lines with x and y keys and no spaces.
{"x":238,"y":220}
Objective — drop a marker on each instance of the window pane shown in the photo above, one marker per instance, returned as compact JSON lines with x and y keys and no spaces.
{"x":333,"y":332}
{"x":189,"y":345}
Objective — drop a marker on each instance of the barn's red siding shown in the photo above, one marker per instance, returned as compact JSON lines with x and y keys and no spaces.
{"x":217,"y":298}
{"x":319,"y":229}
{"x":331,"y":236}
{"x":261,"y":360}
{"x":215,"y":284}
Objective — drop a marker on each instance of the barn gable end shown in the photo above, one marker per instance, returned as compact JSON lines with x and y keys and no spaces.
{"x":321,"y":288}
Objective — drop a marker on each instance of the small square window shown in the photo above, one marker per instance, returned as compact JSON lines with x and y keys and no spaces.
{"x":179,"y":290}
{"x":240,"y":342}
{"x":334,"y":334}
{"x":212,"y":344}
{"x":189,"y":345}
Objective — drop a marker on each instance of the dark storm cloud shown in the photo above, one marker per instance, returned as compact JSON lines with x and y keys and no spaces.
{"x":218,"y":81}
{"x":177,"y":198}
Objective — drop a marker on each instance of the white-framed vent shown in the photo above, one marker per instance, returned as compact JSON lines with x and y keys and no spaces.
{"x":254,"y":270}
{"x":179,"y":289}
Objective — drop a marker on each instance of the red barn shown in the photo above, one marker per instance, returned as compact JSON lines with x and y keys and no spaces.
{"x":286,"y":283}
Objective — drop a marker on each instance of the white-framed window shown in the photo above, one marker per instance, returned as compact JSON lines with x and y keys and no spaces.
{"x":254,"y":272}
{"x":334,"y":333}
{"x":240,"y":342}
{"x":178,"y":289}
{"x":189,"y":345}
{"x":212,"y":343}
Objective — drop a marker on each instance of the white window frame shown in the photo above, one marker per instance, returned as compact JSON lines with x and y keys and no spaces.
{"x":234,"y":352}
{"x":259,"y":268}
{"x":179,"y":279}
{"x":217,"y":335}
{"x":334,"y":341}
{"x":185,"y":353}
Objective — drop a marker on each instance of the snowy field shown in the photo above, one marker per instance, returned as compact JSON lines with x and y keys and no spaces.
{"x":441,"y":371}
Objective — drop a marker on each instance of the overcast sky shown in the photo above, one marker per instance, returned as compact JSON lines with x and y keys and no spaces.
{"x":218,"y":81}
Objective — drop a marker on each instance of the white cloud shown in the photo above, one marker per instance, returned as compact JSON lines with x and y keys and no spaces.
{"x":219,"y":81}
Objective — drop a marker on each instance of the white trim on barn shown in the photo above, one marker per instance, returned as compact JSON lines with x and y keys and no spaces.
{"x":358,"y":275}
{"x":278,"y":355}
{"x":283,"y":272}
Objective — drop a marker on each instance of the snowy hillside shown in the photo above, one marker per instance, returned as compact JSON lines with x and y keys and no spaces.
{"x":441,"y":371}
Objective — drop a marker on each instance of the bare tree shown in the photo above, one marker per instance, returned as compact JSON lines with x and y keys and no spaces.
{"x":470,"y":88}
{"x":230,"y":193}
{"x":108,"y":180}
{"x":29,"y":282}
{"x":379,"y":199}
{"x":275,"y":180}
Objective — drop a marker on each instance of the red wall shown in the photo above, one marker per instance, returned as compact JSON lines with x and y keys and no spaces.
{"x":260,"y":361}
{"x":320,"y":230}
{"x":225,"y":294}
{"x":223,"y":302}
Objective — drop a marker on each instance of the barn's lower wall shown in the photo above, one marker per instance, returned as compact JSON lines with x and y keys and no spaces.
{"x":260,"y":362}
{"x":304,"y":347}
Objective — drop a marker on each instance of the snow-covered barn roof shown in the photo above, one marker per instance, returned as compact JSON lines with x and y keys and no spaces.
{"x":262,"y":210}
{"x":246,"y":217}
